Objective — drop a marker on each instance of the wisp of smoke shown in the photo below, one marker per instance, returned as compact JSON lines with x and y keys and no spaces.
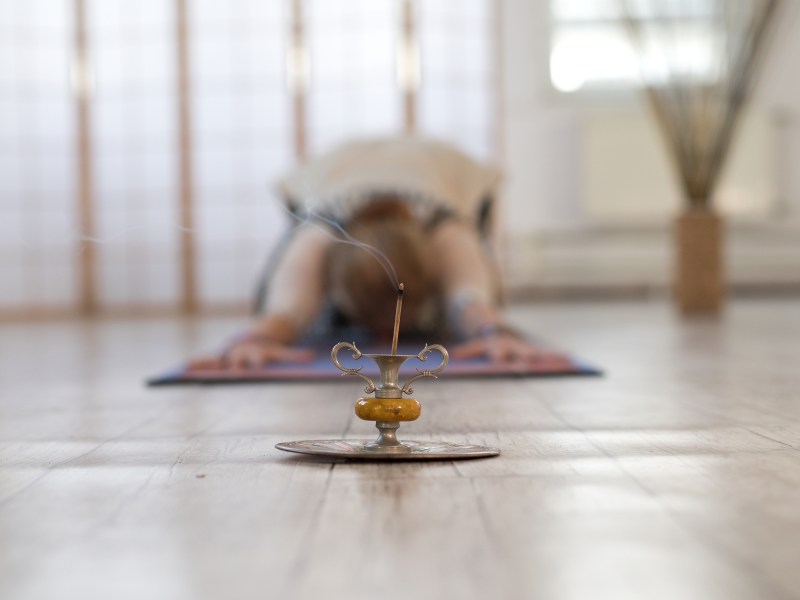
{"x":310,"y":216}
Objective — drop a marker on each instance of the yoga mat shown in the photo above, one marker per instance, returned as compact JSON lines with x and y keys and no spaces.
{"x":322,"y":369}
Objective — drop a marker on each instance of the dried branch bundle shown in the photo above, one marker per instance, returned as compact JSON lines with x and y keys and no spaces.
{"x":698,"y":60}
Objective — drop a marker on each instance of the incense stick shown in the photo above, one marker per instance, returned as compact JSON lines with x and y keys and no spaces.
{"x":397,"y":310}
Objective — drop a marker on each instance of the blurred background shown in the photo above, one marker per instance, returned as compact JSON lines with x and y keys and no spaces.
{"x":140,"y":142}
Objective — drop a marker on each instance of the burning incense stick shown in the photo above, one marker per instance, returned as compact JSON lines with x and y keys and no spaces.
{"x":397,"y":310}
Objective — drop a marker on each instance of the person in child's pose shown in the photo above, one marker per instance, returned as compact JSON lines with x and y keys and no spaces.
{"x":423,"y":223}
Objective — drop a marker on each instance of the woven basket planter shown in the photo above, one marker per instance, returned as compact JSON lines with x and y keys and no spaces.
{"x":700,"y":264}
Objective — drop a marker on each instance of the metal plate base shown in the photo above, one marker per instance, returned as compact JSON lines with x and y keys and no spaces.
{"x":409,"y":450}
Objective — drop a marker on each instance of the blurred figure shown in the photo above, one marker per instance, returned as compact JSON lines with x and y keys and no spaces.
{"x":418,"y":205}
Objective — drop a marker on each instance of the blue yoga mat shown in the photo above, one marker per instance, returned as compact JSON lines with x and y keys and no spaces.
{"x":322,"y":369}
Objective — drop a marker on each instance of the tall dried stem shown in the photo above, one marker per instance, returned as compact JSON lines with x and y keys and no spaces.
{"x":698,"y":107}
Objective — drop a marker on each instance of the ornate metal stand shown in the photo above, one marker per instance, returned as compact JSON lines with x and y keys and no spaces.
{"x":388,"y":409}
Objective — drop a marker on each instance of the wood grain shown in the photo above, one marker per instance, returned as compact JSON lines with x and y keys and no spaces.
{"x":676,"y":476}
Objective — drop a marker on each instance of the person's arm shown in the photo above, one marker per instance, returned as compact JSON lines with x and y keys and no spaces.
{"x":295,"y":294}
{"x":297,"y":287}
{"x":465,"y":278}
{"x":469,"y":299}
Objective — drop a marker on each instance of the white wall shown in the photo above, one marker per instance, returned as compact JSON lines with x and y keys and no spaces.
{"x":543,"y":193}
{"x":779,"y":89}
{"x":540,"y":137}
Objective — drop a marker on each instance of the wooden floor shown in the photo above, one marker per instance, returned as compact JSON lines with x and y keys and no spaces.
{"x":677,"y":476}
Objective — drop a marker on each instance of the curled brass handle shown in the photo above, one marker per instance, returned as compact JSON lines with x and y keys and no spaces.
{"x":356,"y":355}
{"x":423,"y":356}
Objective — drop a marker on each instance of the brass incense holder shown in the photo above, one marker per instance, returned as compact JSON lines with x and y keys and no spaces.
{"x":388,"y":408}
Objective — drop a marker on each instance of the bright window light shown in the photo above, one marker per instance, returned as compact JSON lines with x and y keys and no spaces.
{"x":590,"y":48}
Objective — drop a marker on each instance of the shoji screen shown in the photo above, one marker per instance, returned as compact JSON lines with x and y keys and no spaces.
{"x":241,"y":128}
{"x":455,"y":99}
{"x":242,"y":131}
{"x":353,"y":89}
{"x":38,"y":231}
{"x":134,"y":151}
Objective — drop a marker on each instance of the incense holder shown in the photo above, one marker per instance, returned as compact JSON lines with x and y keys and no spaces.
{"x":388,"y":408}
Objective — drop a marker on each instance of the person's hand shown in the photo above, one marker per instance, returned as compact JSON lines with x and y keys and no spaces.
{"x":252,"y":354}
{"x":506,"y":347}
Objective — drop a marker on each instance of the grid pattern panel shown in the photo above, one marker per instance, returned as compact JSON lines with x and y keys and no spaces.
{"x":134,"y":151}
{"x":242,"y":140}
{"x":242,"y":134}
{"x":353,"y":93}
{"x":455,"y":98}
{"x":38,"y":233}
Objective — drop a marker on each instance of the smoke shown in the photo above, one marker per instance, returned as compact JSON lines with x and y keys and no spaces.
{"x":311,"y":217}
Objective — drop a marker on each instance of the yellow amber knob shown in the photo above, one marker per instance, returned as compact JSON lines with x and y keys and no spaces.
{"x":387,"y":409}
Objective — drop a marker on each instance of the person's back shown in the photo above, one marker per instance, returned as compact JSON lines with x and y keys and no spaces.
{"x":423,"y":228}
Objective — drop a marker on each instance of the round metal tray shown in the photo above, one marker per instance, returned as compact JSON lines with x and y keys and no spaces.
{"x":409,"y":450}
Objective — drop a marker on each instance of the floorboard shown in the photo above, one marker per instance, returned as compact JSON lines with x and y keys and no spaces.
{"x":675,"y":476}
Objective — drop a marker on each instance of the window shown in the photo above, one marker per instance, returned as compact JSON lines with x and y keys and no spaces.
{"x":37,"y":157}
{"x":134,"y":144}
{"x":455,"y":91}
{"x":353,"y":88}
{"x":241,"y":140}
{"x":591,"y":48}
